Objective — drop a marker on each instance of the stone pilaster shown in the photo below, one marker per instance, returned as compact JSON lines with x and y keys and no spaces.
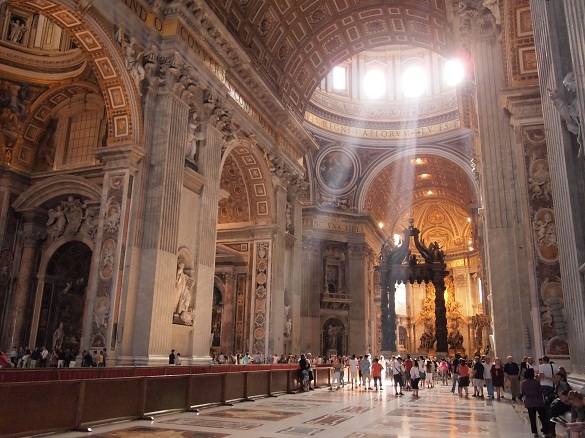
{"x":296,"y":256}
{"x":503,"y":229}
{"x":556,"y":26}
{"x":312,"y":286}
{"x":105,"y":285}
{"x":361,"y":322}
{"x":209,"y":166}
{"x":21,"y":310}
{"x":279,"y":280}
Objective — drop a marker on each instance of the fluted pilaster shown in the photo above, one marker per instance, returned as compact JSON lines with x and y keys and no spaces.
{"x":21,"y":309}
{"x":503,"y":228}
{"x":209,"y":166}
{"x":556,"y":26}
{"x":279,"y":280}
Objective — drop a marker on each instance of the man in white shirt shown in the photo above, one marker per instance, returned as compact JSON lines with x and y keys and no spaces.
{"x":353,"y":370}
{"x":546,"y":371}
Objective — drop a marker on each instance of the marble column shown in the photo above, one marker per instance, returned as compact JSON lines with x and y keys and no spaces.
{"x":558,"y":25}
{"x":209,"y":166}
{"x":21,"y":309}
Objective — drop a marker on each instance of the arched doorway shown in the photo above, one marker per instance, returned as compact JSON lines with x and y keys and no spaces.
{"x":63,"y":300}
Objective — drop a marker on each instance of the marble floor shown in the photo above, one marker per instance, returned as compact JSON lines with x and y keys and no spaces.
{"x":347,"y":413}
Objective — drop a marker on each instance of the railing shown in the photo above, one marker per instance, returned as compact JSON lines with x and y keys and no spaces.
{"x":37,"y":407}
{"x":50,"y":374}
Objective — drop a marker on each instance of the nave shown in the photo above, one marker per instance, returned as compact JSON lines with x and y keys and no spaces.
{"x":346,"y":413}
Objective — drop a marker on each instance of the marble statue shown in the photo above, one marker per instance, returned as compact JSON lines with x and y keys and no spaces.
{"x":568,"y":109}
{"x":58,"y":336}
{"x":183,"y":286}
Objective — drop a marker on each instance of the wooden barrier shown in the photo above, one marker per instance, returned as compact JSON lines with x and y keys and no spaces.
{"x":63,"y":405}
{"x":50,"y":374}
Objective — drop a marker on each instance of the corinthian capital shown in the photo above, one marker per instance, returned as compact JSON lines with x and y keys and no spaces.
{"x":31,"y":238}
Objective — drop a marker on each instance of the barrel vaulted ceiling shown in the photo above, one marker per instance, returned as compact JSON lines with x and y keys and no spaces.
{"x":296,"y":43}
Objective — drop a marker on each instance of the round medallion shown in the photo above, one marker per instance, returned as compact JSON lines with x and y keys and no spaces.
{"x":337,"y":171}
{"x":261,"y":278}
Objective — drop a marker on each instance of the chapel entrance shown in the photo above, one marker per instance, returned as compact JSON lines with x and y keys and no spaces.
{"x":63,"y":300}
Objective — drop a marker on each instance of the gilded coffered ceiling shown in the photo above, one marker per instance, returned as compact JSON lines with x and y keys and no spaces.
{"x":294,"y":44}
{"x":433,"y":190}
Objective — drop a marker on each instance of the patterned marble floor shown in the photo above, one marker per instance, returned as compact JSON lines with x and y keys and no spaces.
{"x":346,"y":413}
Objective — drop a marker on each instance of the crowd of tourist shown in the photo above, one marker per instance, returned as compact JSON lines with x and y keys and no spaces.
{"x":41,"y":357}
{"x":542,"y":388}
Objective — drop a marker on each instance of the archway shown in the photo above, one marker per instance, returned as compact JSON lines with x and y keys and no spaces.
{"x":63,"y":299}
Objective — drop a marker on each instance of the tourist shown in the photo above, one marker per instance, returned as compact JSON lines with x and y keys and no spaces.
{"x":532,"y":394}
{"x":487,"y":376}
{"x":497,"y":373}
{"x":463,"y":378}
{"x":365,"y":365}
{"x":414,"y":377}
{"x":353,"y":370}
{"x":377,"y":369}
{"x":478,"y":372}
{"x":397,"y":374}
{"x":512,"y":374}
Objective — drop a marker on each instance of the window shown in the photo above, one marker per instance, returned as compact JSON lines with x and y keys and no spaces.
{"x":340,"y":78}
{"x":82,"y":138}
{"x":374,"y":83}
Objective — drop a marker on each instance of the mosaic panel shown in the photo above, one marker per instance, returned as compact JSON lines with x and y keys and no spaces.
{"x":295,"y":430}
{"x":417,"y":425}
{"x":140,"y":432}
{"x":202,"y":422}
{"x":328,"y":420}
{"x":252,"y":414}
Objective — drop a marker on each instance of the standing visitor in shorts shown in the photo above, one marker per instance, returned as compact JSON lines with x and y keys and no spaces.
{"x":397,"y":373}
{"x":463,"y":378}
{"x":512,"y":374}
{"x":365,"y":369}
{"x":377,"y":369}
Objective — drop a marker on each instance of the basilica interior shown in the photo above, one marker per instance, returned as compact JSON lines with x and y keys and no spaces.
{"x":225,"y":176}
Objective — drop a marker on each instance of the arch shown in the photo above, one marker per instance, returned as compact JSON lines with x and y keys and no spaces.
{"x":43,"y":191}
{"x":299,"y":44}
{"x":253,"y":168}
{"x":120,"y":95}
{"x":52,"y":249}
{"x":63,"y":296}
{"x":372,"y":172}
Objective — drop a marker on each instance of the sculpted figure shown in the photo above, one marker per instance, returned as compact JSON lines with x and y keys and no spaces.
{"x":58,"y":336}
{"x":494,"y":7}
{"x":183,"y":286}
{"x":568,"y":108}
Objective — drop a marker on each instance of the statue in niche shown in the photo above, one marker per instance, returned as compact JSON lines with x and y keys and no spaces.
{"x":57,"y":222}
{"x":568,"y":109}
{"x":58,"y":336}
{"x":288,"y":328}
{"x":288,"y":213}
{"x":455,"y":339}
{"x":331,"y":338}
{"x":17,"y":30}
{"x":494,"y":7}
{"x":183,"y":312}
{"x":193,"y":136}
